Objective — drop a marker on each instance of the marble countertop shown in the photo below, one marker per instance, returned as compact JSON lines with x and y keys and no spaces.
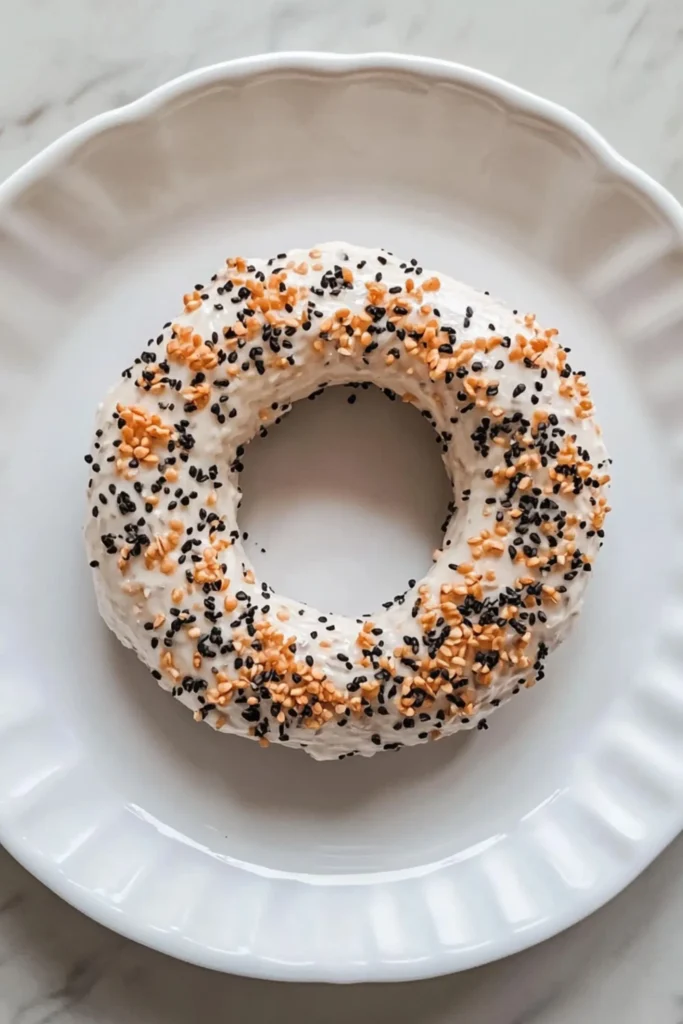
{"x":619,"y":64}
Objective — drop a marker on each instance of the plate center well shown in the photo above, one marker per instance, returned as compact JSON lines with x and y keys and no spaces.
{"x":277,"y":808}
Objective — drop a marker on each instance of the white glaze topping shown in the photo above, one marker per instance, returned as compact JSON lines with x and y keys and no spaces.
{"x":519,"y":442}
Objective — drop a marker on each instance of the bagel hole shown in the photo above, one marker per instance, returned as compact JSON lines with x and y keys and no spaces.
{"x":344,"y":501}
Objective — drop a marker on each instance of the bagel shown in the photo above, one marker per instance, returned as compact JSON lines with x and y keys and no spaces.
{"x":520,"y":445}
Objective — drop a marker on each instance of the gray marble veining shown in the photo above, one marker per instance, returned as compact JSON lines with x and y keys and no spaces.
{"x":619,"y":64}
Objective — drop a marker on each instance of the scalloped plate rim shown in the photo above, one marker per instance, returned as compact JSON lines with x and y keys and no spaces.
{"x":512,"y":98}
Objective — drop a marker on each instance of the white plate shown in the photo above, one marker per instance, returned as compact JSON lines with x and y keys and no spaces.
{"x":265,"y":863}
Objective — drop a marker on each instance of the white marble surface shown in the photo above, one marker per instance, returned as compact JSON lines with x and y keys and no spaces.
{"x":619,"y":63}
